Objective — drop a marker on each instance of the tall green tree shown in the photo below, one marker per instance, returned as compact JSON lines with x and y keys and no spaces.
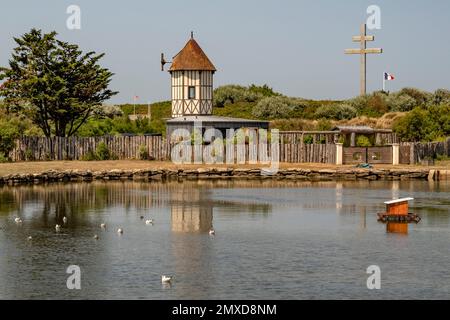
{"x":54,"y":83}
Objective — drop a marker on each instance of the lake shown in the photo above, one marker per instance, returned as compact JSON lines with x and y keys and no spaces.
{"x":274,"y":240}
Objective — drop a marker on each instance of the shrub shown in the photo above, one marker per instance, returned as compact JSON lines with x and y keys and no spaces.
{"x":401,"y":103}
{"x":421,"y":97}
{"x":233,"y":93}
{"x":143,"y":152}
{"x":102,"y":152}
{"x":337,"y":112}
{"x":441,"y":96}
{"x":308,"y":139}
{"x":415,"y":126}
{"x":324,"y":125}
{"x":8,"y":133}
{"x":363,"y":141}
{"x":273,"y":108}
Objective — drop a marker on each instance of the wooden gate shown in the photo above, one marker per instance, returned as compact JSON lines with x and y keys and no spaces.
{"x":373,"y":155}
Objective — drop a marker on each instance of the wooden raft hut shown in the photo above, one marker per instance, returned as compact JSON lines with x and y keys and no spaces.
{"x":397,"y":210}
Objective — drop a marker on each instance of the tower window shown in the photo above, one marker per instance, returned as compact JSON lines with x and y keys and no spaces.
{"x":191,"y":93}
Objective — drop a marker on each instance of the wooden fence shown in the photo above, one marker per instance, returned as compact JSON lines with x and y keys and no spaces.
{"x":421,"y":152}
{"x":78,"y":148}
{"x":131,"y":147}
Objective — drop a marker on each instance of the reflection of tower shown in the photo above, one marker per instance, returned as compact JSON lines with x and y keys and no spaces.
{"x":395,"y":189}
{"x":339,"y":196}
{"x":190,"y":211}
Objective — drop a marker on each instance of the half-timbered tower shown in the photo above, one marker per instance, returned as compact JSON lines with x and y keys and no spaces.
{"x":192,"y":81}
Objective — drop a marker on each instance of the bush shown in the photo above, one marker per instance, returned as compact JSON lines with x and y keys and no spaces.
{"x":415,"y":126}
{"x":233,"y":93}
{"x":401,"y":103}
{"x":441,"y":96}
{"x":308,"y":139}
{"x":363,"y":141}
{"x":143,"y":152}
{"x":8,"y":134}
{"x":337,"y":112}
{"x":102,"y":152}
{"x":273,"y":108}
{"x":421,"y":97}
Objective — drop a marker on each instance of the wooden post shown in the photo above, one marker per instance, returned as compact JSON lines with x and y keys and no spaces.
{"x":363,"y":51}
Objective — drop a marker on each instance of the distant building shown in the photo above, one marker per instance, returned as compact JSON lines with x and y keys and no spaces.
{"x":192,"y":94}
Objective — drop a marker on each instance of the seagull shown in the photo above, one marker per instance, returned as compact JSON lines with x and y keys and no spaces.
{"x":150,"y":221}
{"x":166,"y":279}
{"x":120,"y":231}
{"x":212,"y":232}
{"x":30,"y":238}
{"x":96,"y":237}
{"x":58,"y":228}
{"x":18,"y":220}
{"x":65,"y":220}
{"x":103,"y":226}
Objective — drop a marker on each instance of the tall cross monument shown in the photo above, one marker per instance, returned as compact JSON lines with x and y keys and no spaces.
{"x":363,"y":51}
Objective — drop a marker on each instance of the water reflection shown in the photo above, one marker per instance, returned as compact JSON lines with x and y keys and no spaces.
{"x":191,"y":211}
{"x":307,"y":230}
{"x":397,"y":227}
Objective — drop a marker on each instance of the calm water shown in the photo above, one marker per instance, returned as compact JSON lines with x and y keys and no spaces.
{"x":274,"y":240}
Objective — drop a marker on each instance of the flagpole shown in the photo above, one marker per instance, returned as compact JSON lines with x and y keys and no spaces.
{"x":134,"y":107}
{"x":149,"y":114}
{"x":384,"y":81}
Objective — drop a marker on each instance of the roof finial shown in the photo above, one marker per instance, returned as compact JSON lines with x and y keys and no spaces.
{"x":192,"y":34}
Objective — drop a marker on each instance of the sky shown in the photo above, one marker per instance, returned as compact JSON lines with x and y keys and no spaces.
{"x":296,"y":47}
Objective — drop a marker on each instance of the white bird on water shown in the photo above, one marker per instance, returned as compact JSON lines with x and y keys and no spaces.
{"x":212,"y":232}
{"x":58,"y":228}
{"x":103,"y":226}
{"x":120,"y":231}
{"x":65,"y":220}
{"x":166,"y":279}
{"x":18,"y":220}
{"x":96,"y":237}
{"x":150,"y":221}
{"x":30,"y":238}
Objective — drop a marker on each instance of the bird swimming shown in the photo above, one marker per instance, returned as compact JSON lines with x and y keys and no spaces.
{"x":120,"y":231}
{"x":150,"y":221}
{"x":166,"y":279}
{"x":103,"y":226}
{"x":18,"y":220}
{"x":212,"y":232}
{"x":58,"y":228}
{"x":96,"y":237}
{"x":65,"y":220}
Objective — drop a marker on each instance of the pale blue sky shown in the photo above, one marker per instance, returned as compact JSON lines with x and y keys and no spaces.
{"x":294,"y":46}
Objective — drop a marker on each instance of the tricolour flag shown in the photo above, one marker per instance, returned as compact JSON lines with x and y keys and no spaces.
{"x":388,"y":76}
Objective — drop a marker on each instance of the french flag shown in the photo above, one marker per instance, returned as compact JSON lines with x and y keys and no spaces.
{"x":388,"y":76}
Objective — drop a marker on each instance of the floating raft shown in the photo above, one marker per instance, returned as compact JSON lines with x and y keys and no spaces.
{"x":410,"y":217}
{"x":398,"y":211}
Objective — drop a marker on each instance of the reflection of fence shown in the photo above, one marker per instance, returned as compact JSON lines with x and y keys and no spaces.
{"x":374,"y":155}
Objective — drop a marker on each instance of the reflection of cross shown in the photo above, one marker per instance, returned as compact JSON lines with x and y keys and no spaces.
{"x":362,"y":39}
